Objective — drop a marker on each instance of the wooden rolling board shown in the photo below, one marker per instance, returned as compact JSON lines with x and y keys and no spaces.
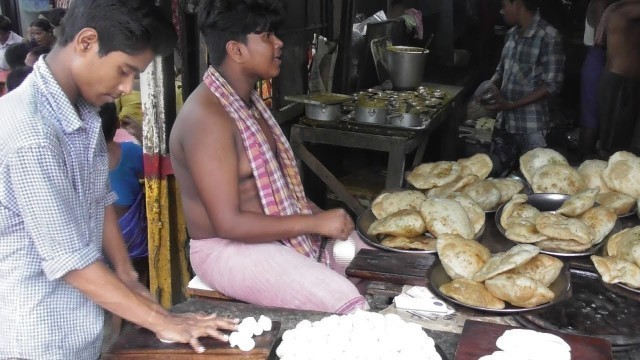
{"x":143,"y":344}
{"x":391,"y":267}
{"x":479,"y":339}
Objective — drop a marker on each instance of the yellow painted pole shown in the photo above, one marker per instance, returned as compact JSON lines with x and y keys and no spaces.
{"x":168,"y":267}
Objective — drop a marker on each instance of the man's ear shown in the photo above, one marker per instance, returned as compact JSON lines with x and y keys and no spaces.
{"x":86,"y":41}
{"x":235,"y":51}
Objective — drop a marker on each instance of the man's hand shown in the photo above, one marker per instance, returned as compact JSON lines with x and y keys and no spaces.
{"x":335,"y":224}
{"x":187,"y":328}
{"x":500,"y":104}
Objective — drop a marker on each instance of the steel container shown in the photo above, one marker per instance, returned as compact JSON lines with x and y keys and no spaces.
{"x":406,"y":66}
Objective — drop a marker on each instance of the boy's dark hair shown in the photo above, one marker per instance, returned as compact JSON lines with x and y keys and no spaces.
{"x":54,"y":15}
{"x":5,"y":23}
{"x":43,"y":24}
{"x":531,"y":5}
{"x":221,"y":21}
{"x":130,"y":26}
{"x":40,"y":50}
{"x":17,"y":76}
{"x":109,"y":116}
{"x":16,"y":54}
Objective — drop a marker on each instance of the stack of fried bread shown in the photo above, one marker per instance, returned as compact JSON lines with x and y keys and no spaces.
{"x":404,"y":218}
{"x":622,"y":261}
{"x":576,"y":226}
{"x":549,"y":172}
{"x":520,"y":276}
{"x":618,"y":179}
{"x":467,"y":176}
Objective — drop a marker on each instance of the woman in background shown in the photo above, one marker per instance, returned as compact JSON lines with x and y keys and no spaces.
{"x":41,"y":32}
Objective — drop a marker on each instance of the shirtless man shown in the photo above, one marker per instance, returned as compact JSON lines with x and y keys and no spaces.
{"x":255,"y":235}
{"x":619,"y":91}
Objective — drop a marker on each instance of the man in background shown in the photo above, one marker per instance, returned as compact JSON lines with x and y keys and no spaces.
{"x":531,"y":70}
{"x":619,"y":91}
{"x":7,"y":37}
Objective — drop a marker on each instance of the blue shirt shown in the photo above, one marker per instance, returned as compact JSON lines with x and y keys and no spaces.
{"x":531,"y":58}
{"x":53,"y":193}
{"x":124,"y":178}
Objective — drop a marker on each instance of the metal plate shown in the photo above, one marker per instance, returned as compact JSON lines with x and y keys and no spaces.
{"x":552,"y":202}
{"x":629,"y":288}
{"x":561,"y":287}
{"x":632,"y":212}
{"x":367,"y":218}
{"x":619,"y":288}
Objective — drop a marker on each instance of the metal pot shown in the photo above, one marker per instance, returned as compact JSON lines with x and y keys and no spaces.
{"x":323,"y":112}
{"x":371,"y":115}
{"x":407,"y":119}
{"x":406,"y":66}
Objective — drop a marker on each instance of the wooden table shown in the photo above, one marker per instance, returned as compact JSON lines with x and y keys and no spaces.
{"x":288,"y":319}
{"x":396,"y":144}
{"x":447,"y":343}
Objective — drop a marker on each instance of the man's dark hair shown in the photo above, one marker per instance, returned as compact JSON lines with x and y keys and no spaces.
{"x":531,"y":5}
{"x":5,"y":23}
{"x":16,"y":54}
{"x":221,"y":21}
{"x":109,"y":116}
{"x":54,"y":15}
{"x":130,"y":26}
{"x":17,"y":76}
{"x":42,"y":24}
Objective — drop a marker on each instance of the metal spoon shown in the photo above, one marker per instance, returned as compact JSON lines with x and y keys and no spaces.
{"x":426,"y":45}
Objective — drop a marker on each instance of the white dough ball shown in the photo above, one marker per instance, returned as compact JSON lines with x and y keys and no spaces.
{"x":246,"y":344}
{"x":265,"y":323}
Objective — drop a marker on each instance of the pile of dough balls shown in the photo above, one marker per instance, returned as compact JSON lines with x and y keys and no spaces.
{"x":522,"y":344}
{"x":249,"y":327}
{"x":361,"y":335}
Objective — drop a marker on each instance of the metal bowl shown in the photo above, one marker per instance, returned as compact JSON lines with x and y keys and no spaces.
{"x":552,"y":202}
{"x":367,"y":218}
{"x":561,"y":287}
{"x":323,"y":112}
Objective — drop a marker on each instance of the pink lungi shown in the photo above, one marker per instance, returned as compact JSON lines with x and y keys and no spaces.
{"x":272,"y":274}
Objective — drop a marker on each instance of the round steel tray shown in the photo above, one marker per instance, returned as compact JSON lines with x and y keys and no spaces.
{"x":561,"y":287}
{"x":367,"y":218}
{"x":552,"y":202}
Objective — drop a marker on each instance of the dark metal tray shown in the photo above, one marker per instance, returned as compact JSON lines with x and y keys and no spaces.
{"x":561,"y":287}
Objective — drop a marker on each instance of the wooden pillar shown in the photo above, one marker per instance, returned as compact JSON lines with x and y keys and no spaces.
{"x":167,"y":235}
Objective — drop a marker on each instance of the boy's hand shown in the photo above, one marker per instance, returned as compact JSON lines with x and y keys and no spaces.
{"x":187,"y":328}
